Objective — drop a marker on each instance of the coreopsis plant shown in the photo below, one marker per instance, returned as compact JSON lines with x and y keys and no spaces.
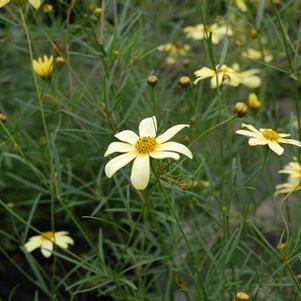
{"x":43,"y":66}
{"x":174,"y":51}
{"x":202,"y":31}
{"x":47,"y":240}
{"x":35,"y":3}
{"x":141,"y":148}
{"x":293,"y":170}
{"x":231,"y":76}
{"x":267,"y":137}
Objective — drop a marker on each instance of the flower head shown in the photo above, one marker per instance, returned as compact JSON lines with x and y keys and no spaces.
{"x":35,"y":3}
{"x":43,"y":66}
{"x":293,"y":170}
{"x":143,"y":147}
{"x":223,"y":75}
{"x":267,"y":137}
{"x":201,"y":31}
{"x":47,"y":240}
{"x":231,"y":76}
{"x":254,"y":54}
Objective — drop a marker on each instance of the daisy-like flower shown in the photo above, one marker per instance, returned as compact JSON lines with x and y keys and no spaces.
{"x":223,"y":75}
{"x":217,"y":31}
{"x":47,"y":240}
{"x":174,"y":51}
{"x":267,"y":137}
{"x":35,"y":3}
{"x":143,"y":147}
{"x":293,"y":170}
{"x":254,"y":54}
{"x":43,"y":66}
{"x":248,"y":78}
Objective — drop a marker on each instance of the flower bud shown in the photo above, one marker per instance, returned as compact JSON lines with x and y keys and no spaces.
{"x":240,"y":109}
{"x":253,"y":102}
{"x":253,"y":33}
{"x":47,"y":8}
{"x":184,"y":81}
{"x":98,"y":11}
{"x":242,"y":296}
{"x":152,"y":80}
{"x":3,"y":118}
{"x":60,"y":60}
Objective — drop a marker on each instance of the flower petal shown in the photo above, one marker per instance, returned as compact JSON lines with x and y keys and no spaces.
{"x":3,"y":2}
{"x":127,"y":136}
{"x":175,"y":147}
{"x":171,"y":132}
{"x":63,"y":241}
{"x":35,"y":3}
{"x":47,"y":248}
{"x":257,"y":141}
{"x":148,"y":127}
{"x":165,"y":155}
{"x":290,"y":141}
{"x":275,"y":147}
{"x":119,"y":147}
{"x":248,"y":133}
{"x":33,"y":243}
{"x":115,"y":164}
{"x":140,"y":172}
{"x":250,"y":127}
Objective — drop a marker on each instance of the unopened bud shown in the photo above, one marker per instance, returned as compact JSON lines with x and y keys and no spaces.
{"x":253,"y":33}
{"x":152,"y":80}
{"x":184,"y":81}
{"x":242,"y":296}
{"x":240,"y":109}
{"x":3,"y":118}
{"x":98,"y":11}
{"x":253,"y":102}
{"x":60,"y":60}
{"x":47,"y":8}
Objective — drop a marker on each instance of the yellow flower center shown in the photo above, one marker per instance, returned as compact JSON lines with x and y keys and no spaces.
{"x":224,"y":69}
{"x":48,"y":235}
{"x":270,"y":134}
{"x":208,"y":28}
{"x":146,"y":145}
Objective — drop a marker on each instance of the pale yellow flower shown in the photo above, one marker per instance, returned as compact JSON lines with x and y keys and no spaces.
{"x":174,"y":51}
{"x":254,"y":54}
{"x":43,"y":66}
{"x":248,"y":78}
{"x":35,"y":3}
{"x":267,"y":137}
{"x":47,"y":240}
{"x":231,"y":76}
{"x":242,"y":296}
{"x":223,"y":75}
{"x":241,"y":4}
{"x":143,"y":147}
{"x":293,"y":170}
{"x":217,"y":31}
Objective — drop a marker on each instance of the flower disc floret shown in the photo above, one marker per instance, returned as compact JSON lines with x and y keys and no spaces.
{"x":146,"y":145}
{"x":270,"y":134}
